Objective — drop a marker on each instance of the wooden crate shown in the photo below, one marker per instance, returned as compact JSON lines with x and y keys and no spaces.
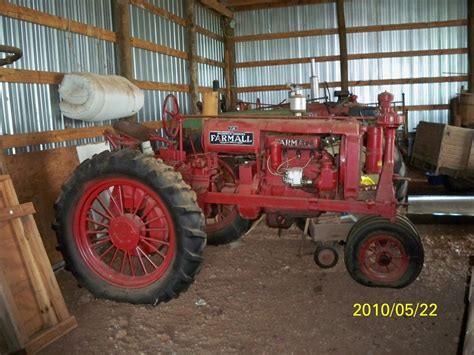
{"x":444,"y":149}
{"x":32,"y":310}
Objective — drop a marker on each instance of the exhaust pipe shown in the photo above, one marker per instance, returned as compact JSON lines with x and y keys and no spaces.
{"x":314,"y":80}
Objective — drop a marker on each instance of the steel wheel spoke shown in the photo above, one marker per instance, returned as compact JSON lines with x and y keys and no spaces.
{"x":156,"y":241}
{"x":153,"y":220}
{"x":151,"y":209}
{"x":121,"y":199}
{"x":98,"y":223}
{"x":141,"y":260}
{"x":130,"y":263}
{"x":105,"y":215}
{"x":106,"y":252}
{"x":147,"y":258}
{"x":99,"y":199}
{"x":111,"y":264}
{"x":154,"y":248}
{"x":138,"y":204}
{"x":115,"y":202}
{"x":122,"y":265}
{"x":100,"y":242}
{"x":163,"y":229}
{"x":103,"y":231}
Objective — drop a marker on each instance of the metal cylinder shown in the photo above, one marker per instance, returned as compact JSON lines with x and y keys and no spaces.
{"x":314,"y":80}
{"x":276,"y":154}
{"x":373,"y":160}
{"x":297,"y":101}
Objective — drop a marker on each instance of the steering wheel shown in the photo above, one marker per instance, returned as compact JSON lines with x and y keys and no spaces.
{"x":13,"y":54}
{"x":170,"y":115}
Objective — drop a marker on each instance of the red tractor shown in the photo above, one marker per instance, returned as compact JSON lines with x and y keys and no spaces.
{"x":132,"y":223}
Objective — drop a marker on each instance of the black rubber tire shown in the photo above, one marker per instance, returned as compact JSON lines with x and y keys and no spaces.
{"x":320,"y":248}
{"x":400,"y":168}
{"x":187,"y":217}
{"x":236,"y":228}
{"x":402,"y":231}
{"x":230,"y":233}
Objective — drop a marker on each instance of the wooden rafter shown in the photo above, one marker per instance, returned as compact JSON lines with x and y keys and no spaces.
{"x":244,"y":5}
{"x":218,"y":7}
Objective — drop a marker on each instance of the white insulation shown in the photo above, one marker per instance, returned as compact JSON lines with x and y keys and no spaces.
{"x":92,"y":97}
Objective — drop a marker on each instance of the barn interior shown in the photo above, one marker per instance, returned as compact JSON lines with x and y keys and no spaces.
{"x":157,"y":83}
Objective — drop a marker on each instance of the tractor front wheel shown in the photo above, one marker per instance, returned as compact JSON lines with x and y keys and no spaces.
{"x":224,"y":224}
{"x":129,"y":228}
{"x":379,"y":253}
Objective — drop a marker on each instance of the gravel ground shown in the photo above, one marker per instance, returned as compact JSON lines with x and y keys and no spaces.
{"x":259,"y":296}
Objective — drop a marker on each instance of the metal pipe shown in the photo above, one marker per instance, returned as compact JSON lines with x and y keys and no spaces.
{"x":314,"y":81}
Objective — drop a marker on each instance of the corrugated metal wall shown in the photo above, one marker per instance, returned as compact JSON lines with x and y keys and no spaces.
{"x":28,"y":108}
{"x":209,"y":47}
{"x":358,"y":13}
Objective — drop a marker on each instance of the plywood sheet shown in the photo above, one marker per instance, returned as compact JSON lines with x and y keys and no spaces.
{"x":38,"y":178}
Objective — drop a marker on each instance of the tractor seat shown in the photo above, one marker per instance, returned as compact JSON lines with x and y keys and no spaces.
{"x":134,"y":130}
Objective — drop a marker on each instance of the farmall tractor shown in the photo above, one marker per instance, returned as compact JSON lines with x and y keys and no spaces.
{"x":132,"y":223}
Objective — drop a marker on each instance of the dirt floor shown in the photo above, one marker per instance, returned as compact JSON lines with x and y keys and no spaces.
{"x":258,"y":296}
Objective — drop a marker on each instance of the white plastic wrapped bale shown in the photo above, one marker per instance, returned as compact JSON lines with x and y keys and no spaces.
{"x":92,"y":97}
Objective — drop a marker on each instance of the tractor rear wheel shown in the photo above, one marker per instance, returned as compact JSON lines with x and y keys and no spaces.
{"x":400,"y":169}
{"x":224,"y":224}
{"x":379,"y":253}
{"x":129,"y":228}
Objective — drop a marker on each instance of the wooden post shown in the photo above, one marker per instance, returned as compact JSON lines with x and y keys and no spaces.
{"x":470,"y":44}
{"x":341,"y":24}
{"x":229,"y":62}
{"x":3,"y":163}
{"x":192,"y":53}
{"x":123,"y":44}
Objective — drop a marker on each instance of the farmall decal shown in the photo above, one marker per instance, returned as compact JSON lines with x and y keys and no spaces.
{"x":289,"y":142}
{"x":231,"y":137}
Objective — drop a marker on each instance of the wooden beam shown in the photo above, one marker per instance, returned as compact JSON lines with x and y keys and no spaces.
{"x":155,"y":86}
{"x":426,"y":107}
{"x":28,"y":139}
{"x":229,"y":60}
{"x":425,"y":80}
{"x":158,"y":48}
{"x":361,"y":29}
{"x":470,"y":44}
{"x":208,"y":61}
{"x":245,"y":5}
{"x":344,"y":62}
{"x":209,"y":34}
{"x":218,"y":7}
{"x":25,"y":209}
{"x":333,"y":58}
{"x":25,"y":76}
{"x":144,"y":4}
{"x":123,"y":44}
{"x":52,"y":78}
{"x":45,"y":19}
{"x":192,"y":55}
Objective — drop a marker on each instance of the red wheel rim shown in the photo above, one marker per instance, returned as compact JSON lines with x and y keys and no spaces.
{"x":124,"y":232}
{"x":383,"y":258}
{"x":170,"y":112}
{"x":222,"y":215}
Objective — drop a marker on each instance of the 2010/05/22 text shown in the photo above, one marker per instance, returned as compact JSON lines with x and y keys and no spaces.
{"x":391,"y":310}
